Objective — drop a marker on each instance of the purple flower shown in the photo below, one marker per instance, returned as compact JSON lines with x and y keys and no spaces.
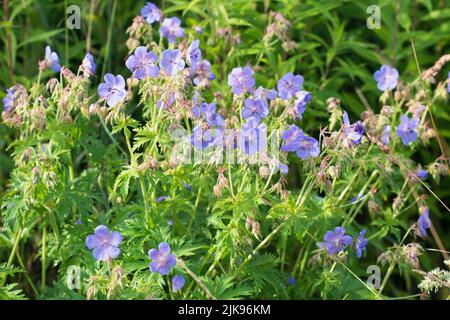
{"x":386,"y":78}
{"x":385,"y":135}
{"x":211,"y":117}
{"x":241,"y":80}
{"x":162,"y":259}
{"x":8,"y":100}
{"x":170,"y":28}
{"x":201,"y":73}
{"x":51,"y":59}
{"x":198,"y":29}
{"x":448,"y":82}
{"x":361,"y":243}
{"x":290,"y":136}
{"x":422,"y":174}
{"x":303,"y":97}
{"x":162,"y":198}
{"x":113,"y":89}
{"x":253,"y":136}
{"x":104,"y":243}
{"x":255,"y":108}
{"x":291,"y":281}
{"x":170,"y":222}
{"x":88,"y":64}
{"x":335,"y":241}
{"x":407,"y":129}
{"x":165,"y":103}
{"x":424,"y":221}
{"x":177,"y":283}
{"x":289,"y":85}
{"x":353,"y":132}
{"x":186,"y":185}
{"x":357,"y":198}
{"x":151,"y":13}
{"x":304,"y":145}
{"x":209,"y":113}
{"x":193,"y":53}
{"x":142,"y":63}
{"x":171,"y":61}
{"x":283,"y":168}
{"x":264,"y":94}
{"x":201,"y":139}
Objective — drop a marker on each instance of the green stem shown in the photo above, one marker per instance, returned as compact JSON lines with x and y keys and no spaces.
{"x":145,"y":198}
{"x":230,"y":179}
{"x":12,"y":254}
{"x":44,"y":258}
{"x":108,"y":41}
{"x":111,"y":137}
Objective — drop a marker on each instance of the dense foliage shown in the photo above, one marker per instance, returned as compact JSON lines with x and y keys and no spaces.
{"x":224,"y":150}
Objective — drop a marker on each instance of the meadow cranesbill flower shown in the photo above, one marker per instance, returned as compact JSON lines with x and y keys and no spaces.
{"x":289,"y":85}
{"x":51,"y":60}
{"x":424,"y":221}
{"x":361,"y":243}
{"x":241,"y":80}
{"x":151,"y":13}
{"x":170,"y":29}
{"x":198,"y":29}
{"x":290,"y":136}
{"x":162,"y":198}
{"x":386,"y":78}
{"x":291,"y":281}
{"x":302,"y":98}
{"x":201,"y":73}
{"x":142,"y":63}
{"x":162,"y":259}
{"x":357,"y":198}
{"x":421,"y":173}
{"x":353,"y":132}
{"x":284,"y":169}
{"x":252,"y":136}
{"x":448,"y":82}
{"x":104,"y":243}
{"x":335,"y":241}
{"x":166,"y":102}
{"x":113,"y":89}
{"x":407,"y":129}
{"x":171,"y":61}
{"x":385,"y":135}
{"x":8,"y":100}
{"x":265,"y":94}
{"x":194,"y":54}
{"x":211,"y":117}
{"x":255,"y":108}
{"x":177,"y":283}
{"x":88,"y":64}
{"x":296,"y":141}
{"x":201,"y":139}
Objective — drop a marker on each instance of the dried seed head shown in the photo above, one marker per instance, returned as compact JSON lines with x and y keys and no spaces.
{"x":386,"y":111}
{"x":264,"y":171}
{"x":373,"y":206}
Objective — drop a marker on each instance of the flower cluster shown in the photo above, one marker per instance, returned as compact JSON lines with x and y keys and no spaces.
{"x":335,"y":242}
